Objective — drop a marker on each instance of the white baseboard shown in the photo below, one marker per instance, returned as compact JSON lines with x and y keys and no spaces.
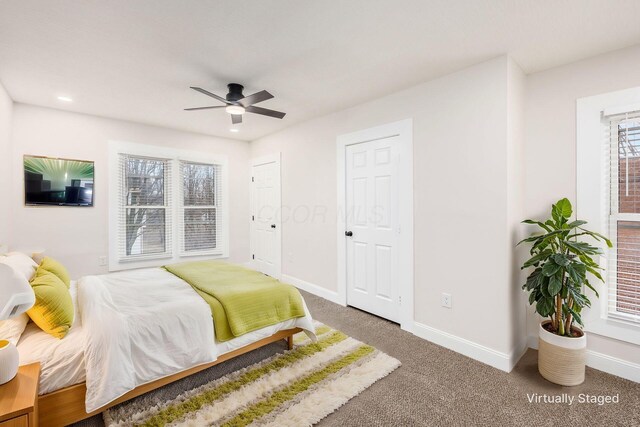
{"x":502,"y":361}
{"x":489,"y":356}
{"x":613,"y":366}
{"x":605,"y":363}
{"x":312,"y":289}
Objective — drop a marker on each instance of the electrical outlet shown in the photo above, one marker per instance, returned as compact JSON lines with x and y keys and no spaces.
{"x":102,"y":261}
{"x":446,"y":300}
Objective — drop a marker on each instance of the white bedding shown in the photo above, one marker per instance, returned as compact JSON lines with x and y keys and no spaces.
{"x":61,"y":361}
{"x":133,"y":327}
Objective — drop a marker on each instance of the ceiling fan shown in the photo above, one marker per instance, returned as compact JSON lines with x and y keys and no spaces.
{"x":237,"y":104}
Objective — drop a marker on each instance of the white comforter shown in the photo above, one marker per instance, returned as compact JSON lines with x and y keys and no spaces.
{"x":143,"y":325}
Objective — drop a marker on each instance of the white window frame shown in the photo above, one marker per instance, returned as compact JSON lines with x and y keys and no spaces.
{"x":593,"y":197}
{"x":182,"y":209}
{"x":166,"y":207}
{"x":174,"y":156}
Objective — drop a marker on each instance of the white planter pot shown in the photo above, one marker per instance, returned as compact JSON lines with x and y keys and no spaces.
{"x":9,"y":360}
{"x":561,"y":360}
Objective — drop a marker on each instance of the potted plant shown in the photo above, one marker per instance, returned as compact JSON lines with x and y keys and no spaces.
{"x":560,"y":265}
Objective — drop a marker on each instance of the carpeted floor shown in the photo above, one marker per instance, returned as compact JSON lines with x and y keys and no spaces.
{"x":438,"y":387}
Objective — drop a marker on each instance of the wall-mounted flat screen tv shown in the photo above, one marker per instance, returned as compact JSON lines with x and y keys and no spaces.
{"x":58,"y":182}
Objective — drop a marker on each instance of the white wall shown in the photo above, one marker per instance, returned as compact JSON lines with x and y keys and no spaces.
{"x":78,"y":236}
{"x":516,"y":95}
{"x":6,"y":113}
{"x":551,"y":144}
{"x":462,"y":238}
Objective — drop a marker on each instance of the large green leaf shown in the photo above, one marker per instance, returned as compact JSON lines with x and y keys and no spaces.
{"x":538,"y":223}
{"x":578,"y":298}
{"x":547,"y":236}
{"x":540,"y":245}
{"x":588,"y":261}
{"x":563,"y":206}
{"x":537,"y":258}
{"x":576,"y":223}
{"x":595,"y":273}
{"x":581,"y":248}
{"x":555,"y":285}
{"x":531,"y":239}
{"x":532,"y":280}
{"x":577,"y":272}
{"x":544,"y":286}
{"x":588,"y":285}
{"x":550,"y":268}
{"x":561,"y":259}
{"x":580,"y":268}
{"x":598,"y":235}
{"x":545,"y":306}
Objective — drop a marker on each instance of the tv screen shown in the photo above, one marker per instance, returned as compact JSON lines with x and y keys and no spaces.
{"x":58,"y":182}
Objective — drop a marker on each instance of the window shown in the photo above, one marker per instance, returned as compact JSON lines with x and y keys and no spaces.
{"x":170,"y":206}
{"x":623,"y":165}
{"x":608,"y":197}
{"x":200,"y":202}
{"x":145,"y":225}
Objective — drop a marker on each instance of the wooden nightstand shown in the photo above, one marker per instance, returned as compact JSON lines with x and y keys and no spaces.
{"x":19,"y":398}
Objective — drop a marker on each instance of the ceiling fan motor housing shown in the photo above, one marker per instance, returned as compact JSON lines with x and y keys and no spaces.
{"x":235,"y":92}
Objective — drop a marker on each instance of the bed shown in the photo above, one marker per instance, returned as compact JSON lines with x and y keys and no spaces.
{"x":133,"y":332}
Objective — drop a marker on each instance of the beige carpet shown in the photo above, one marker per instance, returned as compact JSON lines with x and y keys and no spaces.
{"x":438,"y":387}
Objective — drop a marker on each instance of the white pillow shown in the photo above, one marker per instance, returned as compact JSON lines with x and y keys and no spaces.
{"x":21,"y":264}
{"x":11,"y":329}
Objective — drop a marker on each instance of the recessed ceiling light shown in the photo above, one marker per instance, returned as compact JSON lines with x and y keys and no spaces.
{"x":234,"y":130}
{"x":65,"y":99}
{"x":235,"y":109}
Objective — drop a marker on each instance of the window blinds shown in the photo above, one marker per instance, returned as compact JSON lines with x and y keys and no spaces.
{"x":200,"y":207}
{"x":622,"y":154}
{"x":144,"y":208}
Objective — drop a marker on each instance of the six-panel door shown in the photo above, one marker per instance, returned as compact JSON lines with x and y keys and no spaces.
{"x":372,"y":217}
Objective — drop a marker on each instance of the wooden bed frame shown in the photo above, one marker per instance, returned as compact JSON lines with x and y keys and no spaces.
{"x":66,"y":406}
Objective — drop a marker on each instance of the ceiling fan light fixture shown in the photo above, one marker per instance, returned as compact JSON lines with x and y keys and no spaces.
{"x":236,"y":104}
{"x":235,"y":109}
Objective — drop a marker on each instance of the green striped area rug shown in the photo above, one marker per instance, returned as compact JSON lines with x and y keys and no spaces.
{"x":296,"y":388}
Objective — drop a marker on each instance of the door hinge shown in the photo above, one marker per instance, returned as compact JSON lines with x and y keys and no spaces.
{"x":400,"y":300}
{"x":253,"y":256}
{"x":253,"y":218}
{"x":252,"y":179}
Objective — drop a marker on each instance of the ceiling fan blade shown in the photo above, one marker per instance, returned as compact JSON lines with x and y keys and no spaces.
{"x":265,"y":112}
{"x":255,"y":98}
{"x":213,"y":95}
{"x":236,"y":119}
{"x":203,"y":108}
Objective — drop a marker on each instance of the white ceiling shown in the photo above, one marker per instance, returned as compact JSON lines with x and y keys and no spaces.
{"x":135,"y":59}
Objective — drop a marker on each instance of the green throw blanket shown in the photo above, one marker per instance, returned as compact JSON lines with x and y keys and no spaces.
{"x":241,"y":300}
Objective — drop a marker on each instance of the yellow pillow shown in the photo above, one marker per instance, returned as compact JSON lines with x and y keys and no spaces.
{"x":53,"y":266}
{"x":53,"y":310}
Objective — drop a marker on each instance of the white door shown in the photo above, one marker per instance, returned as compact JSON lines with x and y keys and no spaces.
{"x":265,"y":215}
{"x":372,"y":227}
